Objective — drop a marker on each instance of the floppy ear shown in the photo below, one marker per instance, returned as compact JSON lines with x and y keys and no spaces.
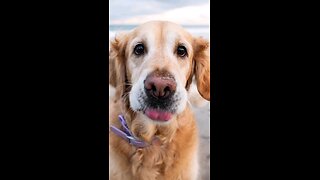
{"x":202,"y":66}
{"x":117,"y":63}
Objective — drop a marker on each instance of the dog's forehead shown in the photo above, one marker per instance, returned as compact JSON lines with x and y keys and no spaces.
{"x":161,"y":31}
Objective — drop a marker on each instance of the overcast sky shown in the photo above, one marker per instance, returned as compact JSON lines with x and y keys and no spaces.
{"x":180,"y":11}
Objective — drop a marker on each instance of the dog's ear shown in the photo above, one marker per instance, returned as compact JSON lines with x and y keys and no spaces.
{"x":117,"y":63}
{"x":201,"y":62}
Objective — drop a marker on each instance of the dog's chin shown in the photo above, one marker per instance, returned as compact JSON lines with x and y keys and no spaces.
{"x":158,"y":115}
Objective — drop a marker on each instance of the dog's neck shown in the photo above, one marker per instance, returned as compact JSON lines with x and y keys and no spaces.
{"x":149,"y":131}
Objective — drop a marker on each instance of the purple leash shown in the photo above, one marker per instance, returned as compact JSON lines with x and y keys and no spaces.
{"x":127,"y":134}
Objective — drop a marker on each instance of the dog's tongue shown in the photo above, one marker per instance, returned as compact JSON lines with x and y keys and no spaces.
{"x":159,"y":115}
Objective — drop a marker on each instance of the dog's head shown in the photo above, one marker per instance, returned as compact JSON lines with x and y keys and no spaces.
{"x":154,"y":64}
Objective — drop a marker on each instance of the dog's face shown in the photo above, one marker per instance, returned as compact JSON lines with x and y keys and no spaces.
{"x":158,"y":60}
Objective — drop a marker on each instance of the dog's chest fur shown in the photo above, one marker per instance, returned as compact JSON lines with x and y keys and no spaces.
{"x":172,"y":155}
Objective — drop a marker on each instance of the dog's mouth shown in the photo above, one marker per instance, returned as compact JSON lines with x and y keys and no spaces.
{"x":158,"y":114}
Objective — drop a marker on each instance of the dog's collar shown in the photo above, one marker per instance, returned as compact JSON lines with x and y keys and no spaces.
{"x":127,"y":134}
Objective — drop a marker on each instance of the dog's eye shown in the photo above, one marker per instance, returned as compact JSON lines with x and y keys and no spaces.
{"x":139,"y":49}
{"x":181,"y":51}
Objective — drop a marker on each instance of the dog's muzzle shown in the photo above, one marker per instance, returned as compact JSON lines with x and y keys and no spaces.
{"x":159,"y":88}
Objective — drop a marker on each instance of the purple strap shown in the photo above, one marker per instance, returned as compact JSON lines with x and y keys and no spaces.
{"x":127,"y":134}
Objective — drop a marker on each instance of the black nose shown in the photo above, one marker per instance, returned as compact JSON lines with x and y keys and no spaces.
{"x":159,"y":87}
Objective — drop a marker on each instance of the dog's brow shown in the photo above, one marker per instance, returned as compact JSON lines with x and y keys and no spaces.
{"x":180,"y":42}
{"x":138,"y":40}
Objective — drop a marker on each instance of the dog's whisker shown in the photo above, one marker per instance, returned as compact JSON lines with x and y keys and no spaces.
{"x":188,"y":101}
{"x":124,"y":84}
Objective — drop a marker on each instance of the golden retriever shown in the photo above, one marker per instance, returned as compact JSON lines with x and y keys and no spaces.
{"x":151,"y":68}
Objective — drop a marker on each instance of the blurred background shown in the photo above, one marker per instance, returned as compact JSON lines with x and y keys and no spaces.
{"x":194,"y":16}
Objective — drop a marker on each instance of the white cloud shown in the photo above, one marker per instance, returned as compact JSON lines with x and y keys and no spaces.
{"x":130,"y":8}
{"x":193,"y":15}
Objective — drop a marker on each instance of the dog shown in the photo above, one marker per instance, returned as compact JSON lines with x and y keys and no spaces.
{"x":153,"y":132}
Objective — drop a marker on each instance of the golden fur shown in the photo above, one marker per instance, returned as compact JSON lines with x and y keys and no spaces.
{"x":173,"y":151}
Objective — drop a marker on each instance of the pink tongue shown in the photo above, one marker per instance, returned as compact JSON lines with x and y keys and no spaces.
{"x":158,"y":115}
